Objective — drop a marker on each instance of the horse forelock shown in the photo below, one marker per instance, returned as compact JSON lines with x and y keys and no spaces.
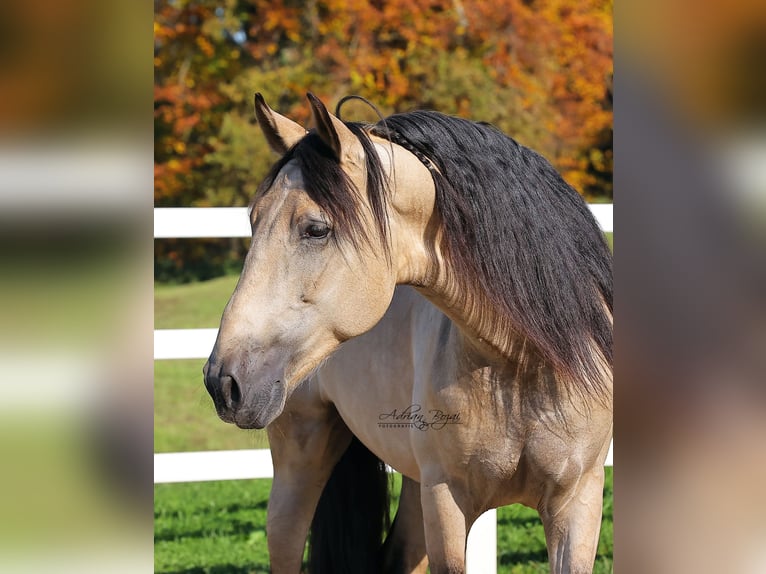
{"x":333,"y":190}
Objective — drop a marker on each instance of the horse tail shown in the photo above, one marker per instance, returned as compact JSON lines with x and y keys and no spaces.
{"x":352,"y":515}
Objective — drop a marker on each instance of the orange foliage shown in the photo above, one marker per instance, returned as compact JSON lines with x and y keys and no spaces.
{"x":540,"y":69}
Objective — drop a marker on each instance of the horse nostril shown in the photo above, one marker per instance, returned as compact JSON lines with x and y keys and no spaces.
{"x":235,"y":393}
{"x":230,"y":391}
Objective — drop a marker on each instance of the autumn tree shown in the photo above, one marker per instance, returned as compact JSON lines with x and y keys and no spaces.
{"x":538,"y":69}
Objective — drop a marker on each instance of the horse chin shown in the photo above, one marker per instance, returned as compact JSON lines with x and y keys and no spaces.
{"x":246,"y":424}
{"x":268,"y":407}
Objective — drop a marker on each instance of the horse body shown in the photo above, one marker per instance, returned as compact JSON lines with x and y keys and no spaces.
{"x":502,"y":397}
{"x":492,"y":451}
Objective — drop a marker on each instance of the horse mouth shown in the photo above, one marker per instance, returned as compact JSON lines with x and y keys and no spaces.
{"x":265,"y":408}
{"x":245,"y":424}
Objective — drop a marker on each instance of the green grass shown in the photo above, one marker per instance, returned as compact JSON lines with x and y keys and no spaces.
{"x":219,"y":528}
{"x":211,"y":527}
{"x":184,"y":416}
{"x":192,"y":306}
{"x":216,"y":527}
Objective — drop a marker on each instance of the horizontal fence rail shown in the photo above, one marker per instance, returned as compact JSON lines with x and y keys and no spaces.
{"x":212,"y":465}
{"x":188,"y":222}
{"x":206,"y":222}
{"x":170,"y":467}
{"x":183,"y":343}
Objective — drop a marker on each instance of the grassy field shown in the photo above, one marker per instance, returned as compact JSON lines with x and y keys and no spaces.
{"x":192,"y":306}
{"x":219,"y":527}
{"x":184,"y":417}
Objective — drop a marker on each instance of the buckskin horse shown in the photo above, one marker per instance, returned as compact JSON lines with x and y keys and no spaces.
{"x":468,"y":291}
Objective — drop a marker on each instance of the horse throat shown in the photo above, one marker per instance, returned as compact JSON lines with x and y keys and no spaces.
{"x":488,"y":335}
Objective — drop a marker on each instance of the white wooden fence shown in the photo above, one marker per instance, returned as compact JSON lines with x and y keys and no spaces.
{"x":197,"y":344}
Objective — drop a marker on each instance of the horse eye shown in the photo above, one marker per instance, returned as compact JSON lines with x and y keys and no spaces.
{"x":316,"y":230}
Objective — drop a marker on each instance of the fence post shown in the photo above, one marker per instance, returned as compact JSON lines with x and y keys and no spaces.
{"x":481,"y":552}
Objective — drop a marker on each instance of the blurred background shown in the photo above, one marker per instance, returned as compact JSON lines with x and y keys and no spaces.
{"x":75,"y":286}
{"x":690,"y":280}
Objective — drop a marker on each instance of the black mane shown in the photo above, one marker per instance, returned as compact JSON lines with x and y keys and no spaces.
{"x":513,"y":228}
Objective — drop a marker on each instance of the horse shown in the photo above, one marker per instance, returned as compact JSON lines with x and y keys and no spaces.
{"x":474,"y":284}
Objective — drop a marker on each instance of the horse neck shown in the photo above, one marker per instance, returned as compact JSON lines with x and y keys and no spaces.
{"x":419,"y":259}
{"x":486,"y":338}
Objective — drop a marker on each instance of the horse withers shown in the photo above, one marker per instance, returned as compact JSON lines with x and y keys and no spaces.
{"x":487,"y":382}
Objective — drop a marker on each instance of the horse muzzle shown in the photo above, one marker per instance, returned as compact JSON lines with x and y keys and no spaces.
{"x":248,"y":400}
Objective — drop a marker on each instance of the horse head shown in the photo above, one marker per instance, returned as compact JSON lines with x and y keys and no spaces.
{"x":319,"y":269}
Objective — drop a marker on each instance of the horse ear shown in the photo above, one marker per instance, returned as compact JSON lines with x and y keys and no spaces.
{"x":281,"y":133}
{"x":332,"y":131}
